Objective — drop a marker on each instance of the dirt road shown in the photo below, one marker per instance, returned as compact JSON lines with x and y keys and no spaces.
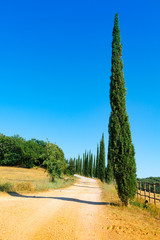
{"x":72,"y":213}
{"x":75,"y":213}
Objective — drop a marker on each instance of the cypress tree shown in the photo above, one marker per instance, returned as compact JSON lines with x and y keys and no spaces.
{"x":74,"y":165}
{"x":94,"y":167}
{"x":91,"y":164}
{"x":78,"y":164}
{"x":102,"y":160}
{"x":87,"y":165}
{"x":81,"y":166}
{"x":120,"y":150}
{"x":109,"y":176}
{"x":97,"y":163}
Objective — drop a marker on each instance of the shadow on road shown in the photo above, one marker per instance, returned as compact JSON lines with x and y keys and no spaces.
{"x":84,"y":186}
{"x":15,"y":194}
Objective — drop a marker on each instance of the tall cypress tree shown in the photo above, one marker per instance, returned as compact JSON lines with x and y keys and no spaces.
{"x":76,"y":166}
{"x":120,"y":150}
{"x":97,"y":163}
{"x":81,"y":166}
{"x":109,"y":176}
{"x":87,"y":165}
{"x":94,"y":166}
{"x":102,"y":160}
{"x":91,"y":165}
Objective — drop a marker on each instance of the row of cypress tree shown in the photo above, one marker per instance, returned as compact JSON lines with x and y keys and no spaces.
{"x":91,"y":165}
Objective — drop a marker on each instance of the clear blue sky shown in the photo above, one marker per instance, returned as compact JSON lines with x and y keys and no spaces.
{"x":55,"y":67}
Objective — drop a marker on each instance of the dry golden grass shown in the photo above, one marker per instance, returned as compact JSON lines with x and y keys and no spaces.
{"x":29,"y":180}
{"x":137,"y":221}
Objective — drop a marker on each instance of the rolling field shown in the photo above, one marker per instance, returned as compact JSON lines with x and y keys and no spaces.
{"x":29,"y":180}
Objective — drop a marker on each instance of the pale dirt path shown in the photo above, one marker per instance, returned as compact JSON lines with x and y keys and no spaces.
{"x":74,"y":213}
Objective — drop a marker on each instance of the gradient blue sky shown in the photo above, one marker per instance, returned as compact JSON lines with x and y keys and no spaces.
{"x":55,"y":67}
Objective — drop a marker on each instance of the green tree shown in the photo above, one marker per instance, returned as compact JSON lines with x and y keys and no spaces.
{"x":86,"y":164}
{"x":90,"y":174}
{"x":75,"y":164}
{"x":109,"y":176}
{"x":71,"y":166}
{"x":94,"y":166}
{"x":16,"y":151}
{"x":120,"y":150}
{"x":102,"y":160}
{"x":55,"y":162}
{"x":81,"y":166}
{"x":97,"y":163}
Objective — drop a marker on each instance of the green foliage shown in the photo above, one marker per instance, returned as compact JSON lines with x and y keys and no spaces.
{"x":102,"y":160}
{"x":55,"y":162}
{"x":97,"y":163}
{"x":11,"y":151}
{"x":120,"y":150}
{"x":79,"y":165}
{"x":109,"y":177}
{"x":94,"y":167}
{"x":16,"y":151}
{"x":86,"y":164}
{"x":87,"y":168}
{"x":90,"y":172}
{"x":83,"y":170}
{"x":71,"y":167}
